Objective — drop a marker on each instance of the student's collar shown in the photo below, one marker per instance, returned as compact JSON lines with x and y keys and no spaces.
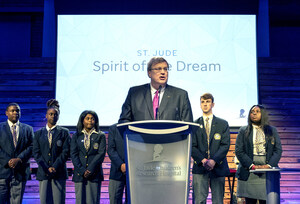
{"x":10,"y":123}
{"x":89,"y":133}
{"x":256,"y":126}
{"x":210,"y":116}
{"x":48,"y":128}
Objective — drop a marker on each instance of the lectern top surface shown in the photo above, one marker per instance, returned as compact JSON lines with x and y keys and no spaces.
{"x":158,"y":121}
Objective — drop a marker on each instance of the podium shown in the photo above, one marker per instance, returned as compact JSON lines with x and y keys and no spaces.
{"x":157,"y":155}
{"x":272,"y":184}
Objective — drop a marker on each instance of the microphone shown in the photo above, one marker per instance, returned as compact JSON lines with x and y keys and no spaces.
{"x":157,"y":111}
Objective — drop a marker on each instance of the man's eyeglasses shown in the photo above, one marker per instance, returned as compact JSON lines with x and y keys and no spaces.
{"x":160,"y":69}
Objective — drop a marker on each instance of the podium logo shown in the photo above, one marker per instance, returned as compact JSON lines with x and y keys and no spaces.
{"x":158,"y":148}
{"x":159,"y":167}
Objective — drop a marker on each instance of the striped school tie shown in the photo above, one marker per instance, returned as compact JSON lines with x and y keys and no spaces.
{"x":14,"y":134}
{"x":207,"y":130}
{"x":50,"y":138}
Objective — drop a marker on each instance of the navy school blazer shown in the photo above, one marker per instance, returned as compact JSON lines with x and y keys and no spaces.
{"x":88,"y":160}
{"x":116,"y":153}
{"x":56,"y":156}
{"x":218,"y":146}
{"x":8,"y":151}
{"x":244,"y":151}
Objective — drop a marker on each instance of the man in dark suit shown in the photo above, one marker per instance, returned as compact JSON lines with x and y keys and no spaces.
{"x":210,"y":146}
{"x":172,"y":103}
{"x":117,"y":177}
{"x":15,"y":152}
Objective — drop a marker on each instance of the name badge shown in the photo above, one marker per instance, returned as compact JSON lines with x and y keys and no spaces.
{"x":96,"y":145}
{"x":59,"y":143}
{"x":217,"y":136}
{"x":273,"y":141}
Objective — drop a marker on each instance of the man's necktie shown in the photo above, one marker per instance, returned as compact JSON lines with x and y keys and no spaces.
{"x":14,"y":134}
{"x":86,"y":142}
{"x":155,"y":104}
{"x":207,"y":130}
{"x":50,"y":138}
{"x":260,"y":142}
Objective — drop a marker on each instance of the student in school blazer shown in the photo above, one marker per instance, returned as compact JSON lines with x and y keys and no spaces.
{"x":23,"y":151}
{"x":88,"y":160}
{"x":116,"y":153}
{"x":209,"y":153}
{"x":219,"y":146}
{"x":15,"y":152}
{"x":55,"y":156}
{"x":257,"y":146}
{"x":51,"y":150}
{"x":88,"y":148}
{"x":244,"y":151}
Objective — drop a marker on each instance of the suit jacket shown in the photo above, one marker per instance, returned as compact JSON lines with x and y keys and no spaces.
{"x":56,"y":156}
{"x":175,"y":105}
{"x":244,"y":151}
{"x":88,"y":160}
{"x":116,"y":154}
{"x":8,"y":151}
{"x":218,"y":146}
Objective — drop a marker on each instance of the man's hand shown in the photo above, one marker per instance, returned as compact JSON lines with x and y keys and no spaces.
{"x":209,"y":164}
{"x":123,"y":168}
{"x":87,"y":173}
{"x":12,"y":163}
{"x":52,"y":170}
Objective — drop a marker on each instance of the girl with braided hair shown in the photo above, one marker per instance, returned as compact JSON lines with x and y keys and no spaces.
{"x":51,"y":149}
